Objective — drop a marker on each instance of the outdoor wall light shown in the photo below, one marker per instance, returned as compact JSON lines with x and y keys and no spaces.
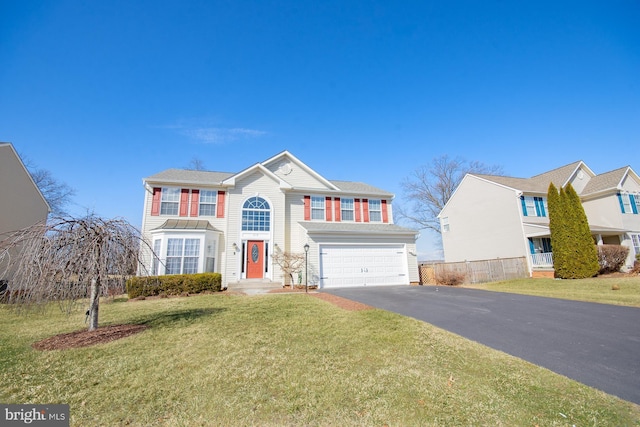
{"x":235,"y":247}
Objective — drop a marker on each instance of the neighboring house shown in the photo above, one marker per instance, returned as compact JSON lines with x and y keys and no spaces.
{"x":490,"y":217}
{"x":21,"y":202}
{"x":230,"y":223}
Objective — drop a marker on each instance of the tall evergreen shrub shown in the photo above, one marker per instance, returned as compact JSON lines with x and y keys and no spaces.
{"x":584,"y":259}
{"x":574,"y":253}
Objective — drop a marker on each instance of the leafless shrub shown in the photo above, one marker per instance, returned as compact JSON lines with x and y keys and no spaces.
{"x":449,"y":278}
{"x":290,"y":263}
{"x":68,"y":259}
{"x":611,"y":258}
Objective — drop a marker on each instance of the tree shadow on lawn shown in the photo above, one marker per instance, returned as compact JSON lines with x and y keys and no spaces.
{"x":104,"y":334}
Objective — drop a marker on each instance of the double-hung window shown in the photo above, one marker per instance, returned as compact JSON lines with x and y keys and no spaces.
{"x":534,"y":206}
{"x":156,"y":257}
{"x":375,"y":210}
{"x":629,"y":203}
{"x":346,"y":209}
{"x":444,"y":224}
{"x":170,"y":201}
{"x":317,"y":207}
{"x":207,"y":202}
{"x":182,"y":256}
{"x":635,"y":238}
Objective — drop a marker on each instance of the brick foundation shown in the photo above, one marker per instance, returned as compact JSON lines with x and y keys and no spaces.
{"x":547,"y":274}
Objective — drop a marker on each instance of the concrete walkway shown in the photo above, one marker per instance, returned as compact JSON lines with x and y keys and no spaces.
{"x":596,"y":344}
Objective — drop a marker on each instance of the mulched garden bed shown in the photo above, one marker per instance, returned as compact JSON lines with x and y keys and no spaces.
{"x":86,"y":338}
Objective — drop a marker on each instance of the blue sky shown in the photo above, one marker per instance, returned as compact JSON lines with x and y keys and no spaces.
{"x":104,"y":93}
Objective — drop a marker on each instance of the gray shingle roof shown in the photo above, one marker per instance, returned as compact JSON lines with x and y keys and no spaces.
{"x":185,"y":176}
{"x":360,"y":188}
{"x":540,"y":183}
{"x":605,"y":181}
{"x":355,"y":228}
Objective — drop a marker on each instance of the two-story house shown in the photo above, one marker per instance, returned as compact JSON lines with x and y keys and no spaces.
{"x":491,"y":217}
{"x":198,"y":221}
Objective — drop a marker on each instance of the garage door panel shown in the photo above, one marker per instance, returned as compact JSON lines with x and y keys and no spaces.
{"x":362,"y":265}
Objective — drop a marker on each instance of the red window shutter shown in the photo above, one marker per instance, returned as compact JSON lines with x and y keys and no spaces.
{"x":195,"y":202}
{"x":336,"y":203}
{"x":385,"y":213}
{"x":220,"y":205}
{"x":307,"y":208}
{"x":365,"y":209}
{"x":155,"y":202}
{"x":327,"y":208}
{"x":356,"y":202}
{"x":184,"y":201}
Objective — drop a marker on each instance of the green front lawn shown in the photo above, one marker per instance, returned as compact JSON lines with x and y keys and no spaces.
{"x":598,"y":289}
{"x":275,"y":360}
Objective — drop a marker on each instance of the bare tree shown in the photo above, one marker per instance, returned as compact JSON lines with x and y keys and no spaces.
{"x":290,"y":263}
{"x":57,"y":193}
{"x":69,"y":259}
{"x":196,"y":164}
{"x":429,"y":188}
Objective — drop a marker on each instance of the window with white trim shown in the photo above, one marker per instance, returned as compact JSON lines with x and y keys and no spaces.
{"x":170,"y":201}
{"x":256,"y":215}
{"x":375,"y":210}
{"x":317,"y":207}
{"x":182,"y":256}
{"x":626,"y":203}
{"x":635,"y":238}
{"x":155,"y":263}
{"x":534,"y":206}
{"x":208,"y":202}
{"x":346,"y":209}
{"x":444,"y":224}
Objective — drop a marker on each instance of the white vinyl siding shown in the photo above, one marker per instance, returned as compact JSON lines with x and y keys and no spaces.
{"x":170,"y":201}
{"x":317,"y":207}
{"x":208,"y":202}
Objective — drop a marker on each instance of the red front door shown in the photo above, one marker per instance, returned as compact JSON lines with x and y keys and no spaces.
{"x":255,"y":259}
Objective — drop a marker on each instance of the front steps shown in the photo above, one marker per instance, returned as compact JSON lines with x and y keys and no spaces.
{"x":253,"y":285}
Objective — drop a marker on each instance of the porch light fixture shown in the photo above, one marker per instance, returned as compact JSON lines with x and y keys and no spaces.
{"x":306,"y":267}
{"x":235,"y":247}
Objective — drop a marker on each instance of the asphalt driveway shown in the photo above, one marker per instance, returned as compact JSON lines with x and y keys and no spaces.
{"x":595,"y":344}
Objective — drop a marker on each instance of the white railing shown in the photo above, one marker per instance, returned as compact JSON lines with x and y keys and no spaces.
{"x":542,"y":260}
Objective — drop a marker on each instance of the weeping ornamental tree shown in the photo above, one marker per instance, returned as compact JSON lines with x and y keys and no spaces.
{"x":67,"y":260}
{"x":574,"y":253}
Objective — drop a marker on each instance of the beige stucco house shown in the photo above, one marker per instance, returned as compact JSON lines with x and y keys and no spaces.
{"x":231,"y":223}
{"x":21,"y":202}
{"x":491,"y":217}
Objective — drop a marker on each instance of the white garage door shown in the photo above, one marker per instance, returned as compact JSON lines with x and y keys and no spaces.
{"x":362,"y":265}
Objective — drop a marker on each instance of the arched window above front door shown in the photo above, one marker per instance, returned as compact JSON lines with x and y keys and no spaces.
{"x":256,"y":215}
